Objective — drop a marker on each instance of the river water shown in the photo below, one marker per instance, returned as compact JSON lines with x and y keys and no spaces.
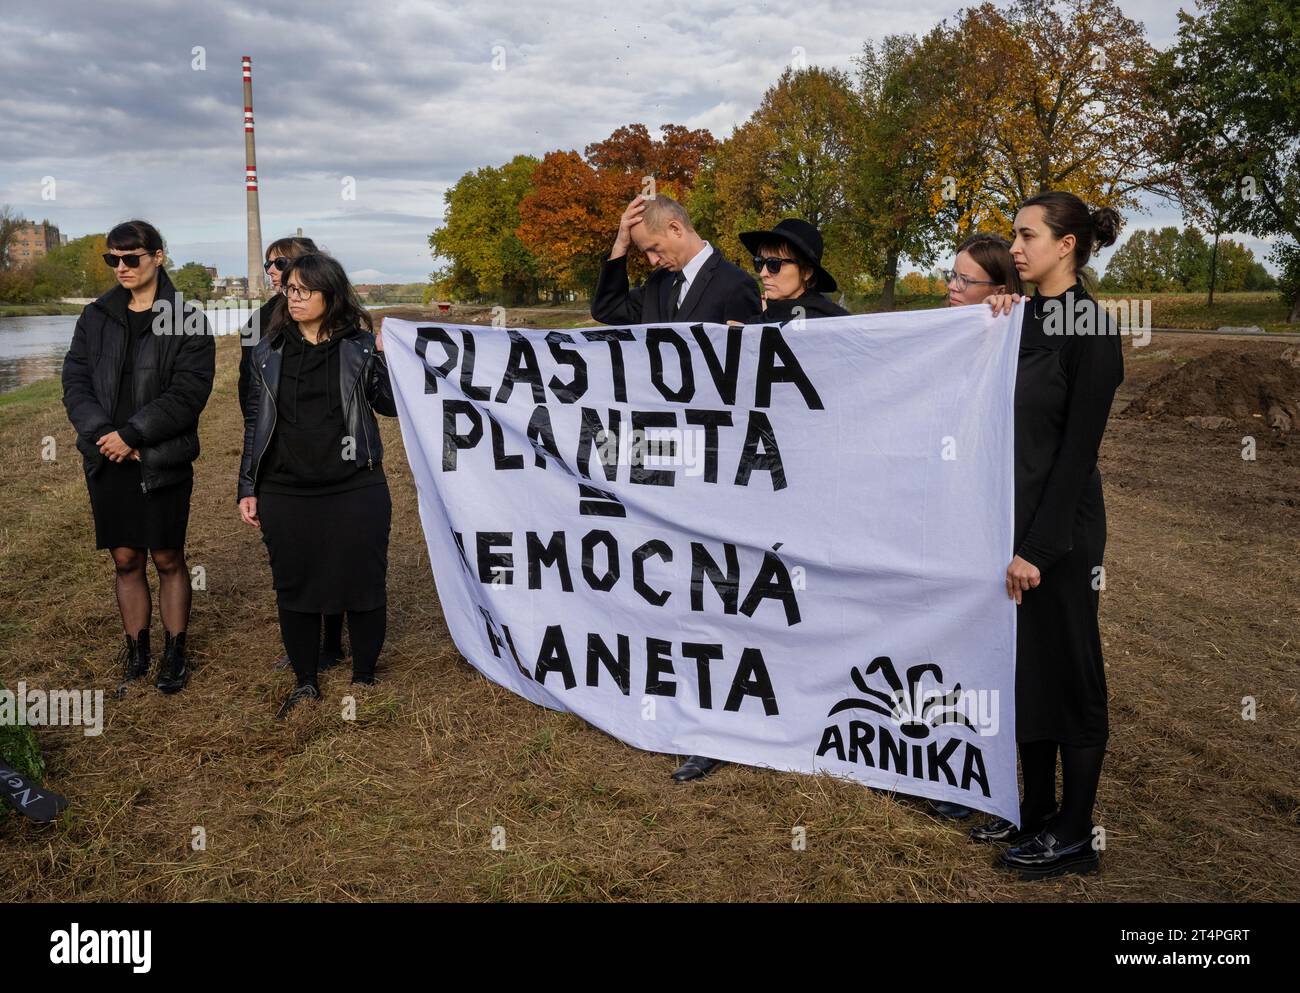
{"x":32,"y":348}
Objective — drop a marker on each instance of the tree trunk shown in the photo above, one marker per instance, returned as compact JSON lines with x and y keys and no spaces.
{"x":891,"y":277}
{"x":1214,"y":266}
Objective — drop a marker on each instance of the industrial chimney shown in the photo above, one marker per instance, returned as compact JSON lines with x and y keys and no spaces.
{"x":256,"y":287}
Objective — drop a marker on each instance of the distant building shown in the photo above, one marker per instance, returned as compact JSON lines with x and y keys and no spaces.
{"x":211,"y":270}
{"x":33,"y":241}
{"x":230,"y":286}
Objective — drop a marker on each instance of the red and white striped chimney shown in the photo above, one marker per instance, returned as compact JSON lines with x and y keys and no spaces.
{"x":256,"y":286}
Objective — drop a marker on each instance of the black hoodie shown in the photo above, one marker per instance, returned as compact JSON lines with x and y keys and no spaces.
{"x":310,"y":450}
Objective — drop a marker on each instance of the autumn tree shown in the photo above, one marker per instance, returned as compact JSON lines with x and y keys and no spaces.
{"x":897,"y":197}
{"x":791,"y":158}
{"x":1051,"y":95}
{"x":569,"y":219}
{"x":486,"y":258}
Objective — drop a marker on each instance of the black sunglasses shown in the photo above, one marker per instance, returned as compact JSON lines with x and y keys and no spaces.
{"x":132,"y":261}
{"x":280,"y":262}
{"x":771,"y":263}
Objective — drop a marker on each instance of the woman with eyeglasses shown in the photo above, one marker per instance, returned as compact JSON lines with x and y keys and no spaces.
{"x":279,"y":254}
{"x":312,"y":477}
{"x":983,"y":267}
{"x":788,"y":260}
{"x":135,"y":380}
{"x":1071,"y":362}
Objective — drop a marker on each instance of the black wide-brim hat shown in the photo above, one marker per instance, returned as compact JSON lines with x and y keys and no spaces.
{"x":803,"y":236}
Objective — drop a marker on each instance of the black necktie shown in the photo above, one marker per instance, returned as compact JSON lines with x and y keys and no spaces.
{"x":675,"y":292}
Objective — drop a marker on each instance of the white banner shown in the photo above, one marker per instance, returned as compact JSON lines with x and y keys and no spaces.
{"x":783,"y":547}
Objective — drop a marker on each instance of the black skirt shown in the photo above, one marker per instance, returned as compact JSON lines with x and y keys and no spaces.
{"x":127,"y":517}
{"x":1060,"y":674}
{"x":329,"y":552}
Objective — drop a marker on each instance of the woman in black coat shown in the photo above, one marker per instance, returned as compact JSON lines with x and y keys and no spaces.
{"x":279,"y":254}
{"x":788,"y":259}
{"x":312,"y":476}
{"x":135,"y":379}
{"x":1071,"y":362}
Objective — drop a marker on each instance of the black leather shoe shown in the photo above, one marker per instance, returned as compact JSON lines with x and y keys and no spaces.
{"x":695,"y":767}
{"x":306,"y":691}
{"x":173,"y":672}
{"x":363,"y":679}
{"x":1003,"y":831}
{"x":1043,"y":855}
{"x":134,"y":659}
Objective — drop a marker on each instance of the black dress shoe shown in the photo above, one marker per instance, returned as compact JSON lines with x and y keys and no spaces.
{"x":1003,"y":831}
{"x":1044,"y":855}
{"x":695,"y":767}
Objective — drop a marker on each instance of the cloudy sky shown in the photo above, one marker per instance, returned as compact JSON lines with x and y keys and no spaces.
{"x":136,"y":110}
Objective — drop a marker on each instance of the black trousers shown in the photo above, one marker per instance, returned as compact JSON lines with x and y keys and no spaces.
{"x":301,"y":632}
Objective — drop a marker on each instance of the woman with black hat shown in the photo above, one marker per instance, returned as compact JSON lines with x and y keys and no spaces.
{"x":312,"y":476}
{"x":135,"y":379}
{"x":788,"y":259}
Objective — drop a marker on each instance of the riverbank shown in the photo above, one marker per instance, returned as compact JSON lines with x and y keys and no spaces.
{"x":39,"y":309}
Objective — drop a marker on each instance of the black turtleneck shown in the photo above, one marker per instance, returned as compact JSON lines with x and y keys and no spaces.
{"x":1064,"y":387}
{"x":307,"y":447}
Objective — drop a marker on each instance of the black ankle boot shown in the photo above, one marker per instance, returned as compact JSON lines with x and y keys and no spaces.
{"x":173,"y":670}
{"x":135,"y":659}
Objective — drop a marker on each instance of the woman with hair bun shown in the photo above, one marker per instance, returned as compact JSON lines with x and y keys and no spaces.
{"x":1071,"y":362}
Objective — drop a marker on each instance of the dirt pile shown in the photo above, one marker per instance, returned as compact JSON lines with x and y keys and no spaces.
{"x":1226,"y":389}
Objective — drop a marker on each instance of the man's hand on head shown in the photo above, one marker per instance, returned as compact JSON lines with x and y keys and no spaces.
{"x":630,"y":219}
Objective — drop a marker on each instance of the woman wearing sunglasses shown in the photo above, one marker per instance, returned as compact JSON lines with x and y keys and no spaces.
{"x":788,"y":261}
{"x":279,"y":254}
{"x":135,"y":380}
{"x":311,"y":477}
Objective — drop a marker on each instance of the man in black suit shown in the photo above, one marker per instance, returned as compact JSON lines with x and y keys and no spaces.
{"x":691,"y":281}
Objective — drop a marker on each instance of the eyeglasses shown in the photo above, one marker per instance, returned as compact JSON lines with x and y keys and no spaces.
{"x":965,"y":282}
{"x":280,"y":263}
{"x":295,"y":292}
{"x":771,"y":263}
{"x":132,"y":261}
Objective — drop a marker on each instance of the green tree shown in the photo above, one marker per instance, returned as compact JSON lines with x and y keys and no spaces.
{"x":486,"y":259}
{"x":193,"y":281}
{"x":1232,"y":85}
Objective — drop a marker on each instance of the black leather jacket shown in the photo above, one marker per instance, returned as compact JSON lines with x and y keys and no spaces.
{"x":363,"y":385}
{"x":170,"y":385}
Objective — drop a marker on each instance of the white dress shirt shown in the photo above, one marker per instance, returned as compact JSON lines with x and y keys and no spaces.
{"x":692,"y":269}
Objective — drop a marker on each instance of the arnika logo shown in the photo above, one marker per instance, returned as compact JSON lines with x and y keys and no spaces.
{"x":102,"y":947}
{"x":917,"y":712}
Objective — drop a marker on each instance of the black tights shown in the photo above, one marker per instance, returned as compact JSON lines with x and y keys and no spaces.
{"x":302,"y":640}
{"x":1080,"y":773}
{"x":134,"y":601}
